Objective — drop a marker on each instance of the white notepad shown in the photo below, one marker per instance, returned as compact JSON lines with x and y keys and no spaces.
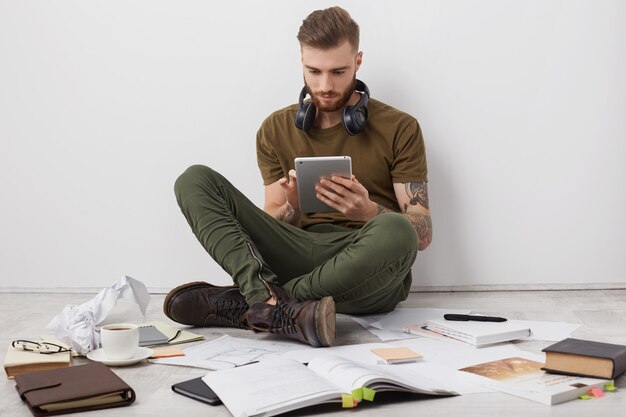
{"x":479,"y":333}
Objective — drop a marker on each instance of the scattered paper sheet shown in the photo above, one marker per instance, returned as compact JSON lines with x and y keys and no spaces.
{"x":389,"y":326}
{"x":76,"y":325}
{"x":229,"y":352}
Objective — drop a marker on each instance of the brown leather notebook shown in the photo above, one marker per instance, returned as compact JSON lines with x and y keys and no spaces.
{"x":585,"y":358}
{"x":69,"y":390}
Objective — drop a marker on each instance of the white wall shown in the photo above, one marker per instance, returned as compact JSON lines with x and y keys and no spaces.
{"x":103,"y":104}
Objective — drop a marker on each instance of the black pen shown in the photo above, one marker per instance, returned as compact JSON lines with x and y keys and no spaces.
{"x":467,"y":317}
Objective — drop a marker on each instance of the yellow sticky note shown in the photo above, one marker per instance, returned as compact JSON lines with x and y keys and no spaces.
{"x":357,"y":394}
{"x":397,"y":355}
{"x":167,"y":352}
{"x":584,"y":397}
{"x":368,"y":394}
{"x":347,"y":401}
{"x":610,"y":386}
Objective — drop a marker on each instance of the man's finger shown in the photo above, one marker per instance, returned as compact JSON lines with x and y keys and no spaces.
{"x":340,"y":189}
{"x":328,"y":201}
{"x":341,"y":180}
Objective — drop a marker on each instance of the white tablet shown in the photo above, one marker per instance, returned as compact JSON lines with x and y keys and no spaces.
{"x":310,"y":171}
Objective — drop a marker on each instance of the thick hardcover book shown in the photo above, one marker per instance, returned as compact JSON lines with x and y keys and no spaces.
{"x":280,"y":385}
{"x":69,"y":390}
{"x":18,"y":361}
{"x":586,"y":358}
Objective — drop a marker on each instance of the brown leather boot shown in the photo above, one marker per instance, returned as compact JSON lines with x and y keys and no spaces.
{"x":310,"y":321}
{"x":204,"y":305}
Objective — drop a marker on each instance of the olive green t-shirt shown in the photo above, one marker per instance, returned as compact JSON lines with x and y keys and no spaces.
{"x":389,"y":150}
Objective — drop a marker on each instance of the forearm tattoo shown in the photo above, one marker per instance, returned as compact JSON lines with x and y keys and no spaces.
{"x":418,"y":193}
{"x":423,"y":226}
{"x":286,"y":213}
{"x":422,"y":222}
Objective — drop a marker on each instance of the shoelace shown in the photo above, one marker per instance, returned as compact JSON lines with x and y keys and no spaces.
{"x":283,"y":319}
{"x":231,"y":312}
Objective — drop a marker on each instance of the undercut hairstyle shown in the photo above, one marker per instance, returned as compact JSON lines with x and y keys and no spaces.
{"x":329,"y":28}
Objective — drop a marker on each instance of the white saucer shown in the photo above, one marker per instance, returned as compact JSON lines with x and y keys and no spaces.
{"x":140,"y":354}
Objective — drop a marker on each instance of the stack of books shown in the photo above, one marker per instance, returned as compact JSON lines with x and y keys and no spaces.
{"x":478,"y":333}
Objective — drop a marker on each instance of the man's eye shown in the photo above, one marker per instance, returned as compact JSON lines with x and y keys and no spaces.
{"x":338,"y":72}
{"x":313,"y":72}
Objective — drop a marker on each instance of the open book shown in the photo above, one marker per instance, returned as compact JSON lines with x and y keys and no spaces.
{"x":279,"y":385}
{"x":525,"y":378}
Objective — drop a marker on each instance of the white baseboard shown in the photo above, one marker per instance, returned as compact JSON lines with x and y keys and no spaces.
{"x":522,"y":287}
{"x":417,"y":288}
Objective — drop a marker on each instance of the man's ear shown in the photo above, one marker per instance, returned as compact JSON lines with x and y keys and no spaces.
{"x":359,"y":60}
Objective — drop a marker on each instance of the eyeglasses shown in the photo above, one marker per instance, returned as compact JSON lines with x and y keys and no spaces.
{"x":39,"y":347}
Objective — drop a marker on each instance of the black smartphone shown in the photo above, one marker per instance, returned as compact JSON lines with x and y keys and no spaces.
{"x":198,"y":390}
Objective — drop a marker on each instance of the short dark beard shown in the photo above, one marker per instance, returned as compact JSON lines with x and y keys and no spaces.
{"x":338,"y":105}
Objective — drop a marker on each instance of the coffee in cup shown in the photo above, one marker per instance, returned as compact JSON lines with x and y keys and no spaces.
{"x":119,"y":341}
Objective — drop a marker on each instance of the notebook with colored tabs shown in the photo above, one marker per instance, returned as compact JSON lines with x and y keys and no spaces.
{"x":523,"y":377}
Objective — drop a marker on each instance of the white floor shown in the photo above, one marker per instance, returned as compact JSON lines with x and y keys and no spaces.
{"x":602,"y":314}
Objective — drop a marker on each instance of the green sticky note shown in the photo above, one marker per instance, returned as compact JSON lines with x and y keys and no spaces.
{"x":609,"y":386}
{"x":347,"y":401}
{"x":368,"y":394}
{"x":357,"y":394}
{"x":585,"y":397}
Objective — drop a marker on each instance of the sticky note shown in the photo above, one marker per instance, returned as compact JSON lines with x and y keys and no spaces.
{"x":167,"y":352}
{"x":609,"y":386}
{"x":584,"y":397}
{"x":397,"y":355}
{"x":357,"y":394}
{"x":596,"y":392}
{"x":347,"y":401}
{"x":368,"y":394}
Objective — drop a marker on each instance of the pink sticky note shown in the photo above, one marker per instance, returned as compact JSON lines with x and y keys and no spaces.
{"x":596,"y":392}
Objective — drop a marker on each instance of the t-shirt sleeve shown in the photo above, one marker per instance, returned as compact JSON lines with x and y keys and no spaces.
{"x":409,"y":162}
{"x":269,"y":165}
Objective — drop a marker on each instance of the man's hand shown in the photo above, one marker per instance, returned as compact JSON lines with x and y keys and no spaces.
{"x":281,"y":200}
{"x":290,"y":187}
{"x":347,"y":196}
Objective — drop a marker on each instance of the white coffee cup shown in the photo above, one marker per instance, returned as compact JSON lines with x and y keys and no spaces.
{"x":119,"y":341}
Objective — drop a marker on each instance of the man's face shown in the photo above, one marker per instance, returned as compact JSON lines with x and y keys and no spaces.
{"x":330,"y":75}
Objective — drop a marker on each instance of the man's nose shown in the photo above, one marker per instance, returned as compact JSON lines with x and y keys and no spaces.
{"x":326,"y":84}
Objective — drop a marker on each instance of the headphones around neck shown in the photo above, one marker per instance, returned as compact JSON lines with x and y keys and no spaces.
{"x":353,"y":119}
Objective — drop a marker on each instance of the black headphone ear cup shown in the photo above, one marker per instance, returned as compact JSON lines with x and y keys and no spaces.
{"x":305,"y":115}
{"x":308,"y":116}
{"x":355,"y":117}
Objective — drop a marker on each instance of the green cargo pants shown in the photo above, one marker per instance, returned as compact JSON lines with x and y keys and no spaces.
{"x":366,"y":271}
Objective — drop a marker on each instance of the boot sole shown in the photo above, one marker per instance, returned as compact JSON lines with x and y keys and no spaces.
{"x":325,"y":321}
{"x":181,"y":289}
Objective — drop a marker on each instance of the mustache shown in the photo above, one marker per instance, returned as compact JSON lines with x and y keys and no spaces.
{"x":326,"y":93}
